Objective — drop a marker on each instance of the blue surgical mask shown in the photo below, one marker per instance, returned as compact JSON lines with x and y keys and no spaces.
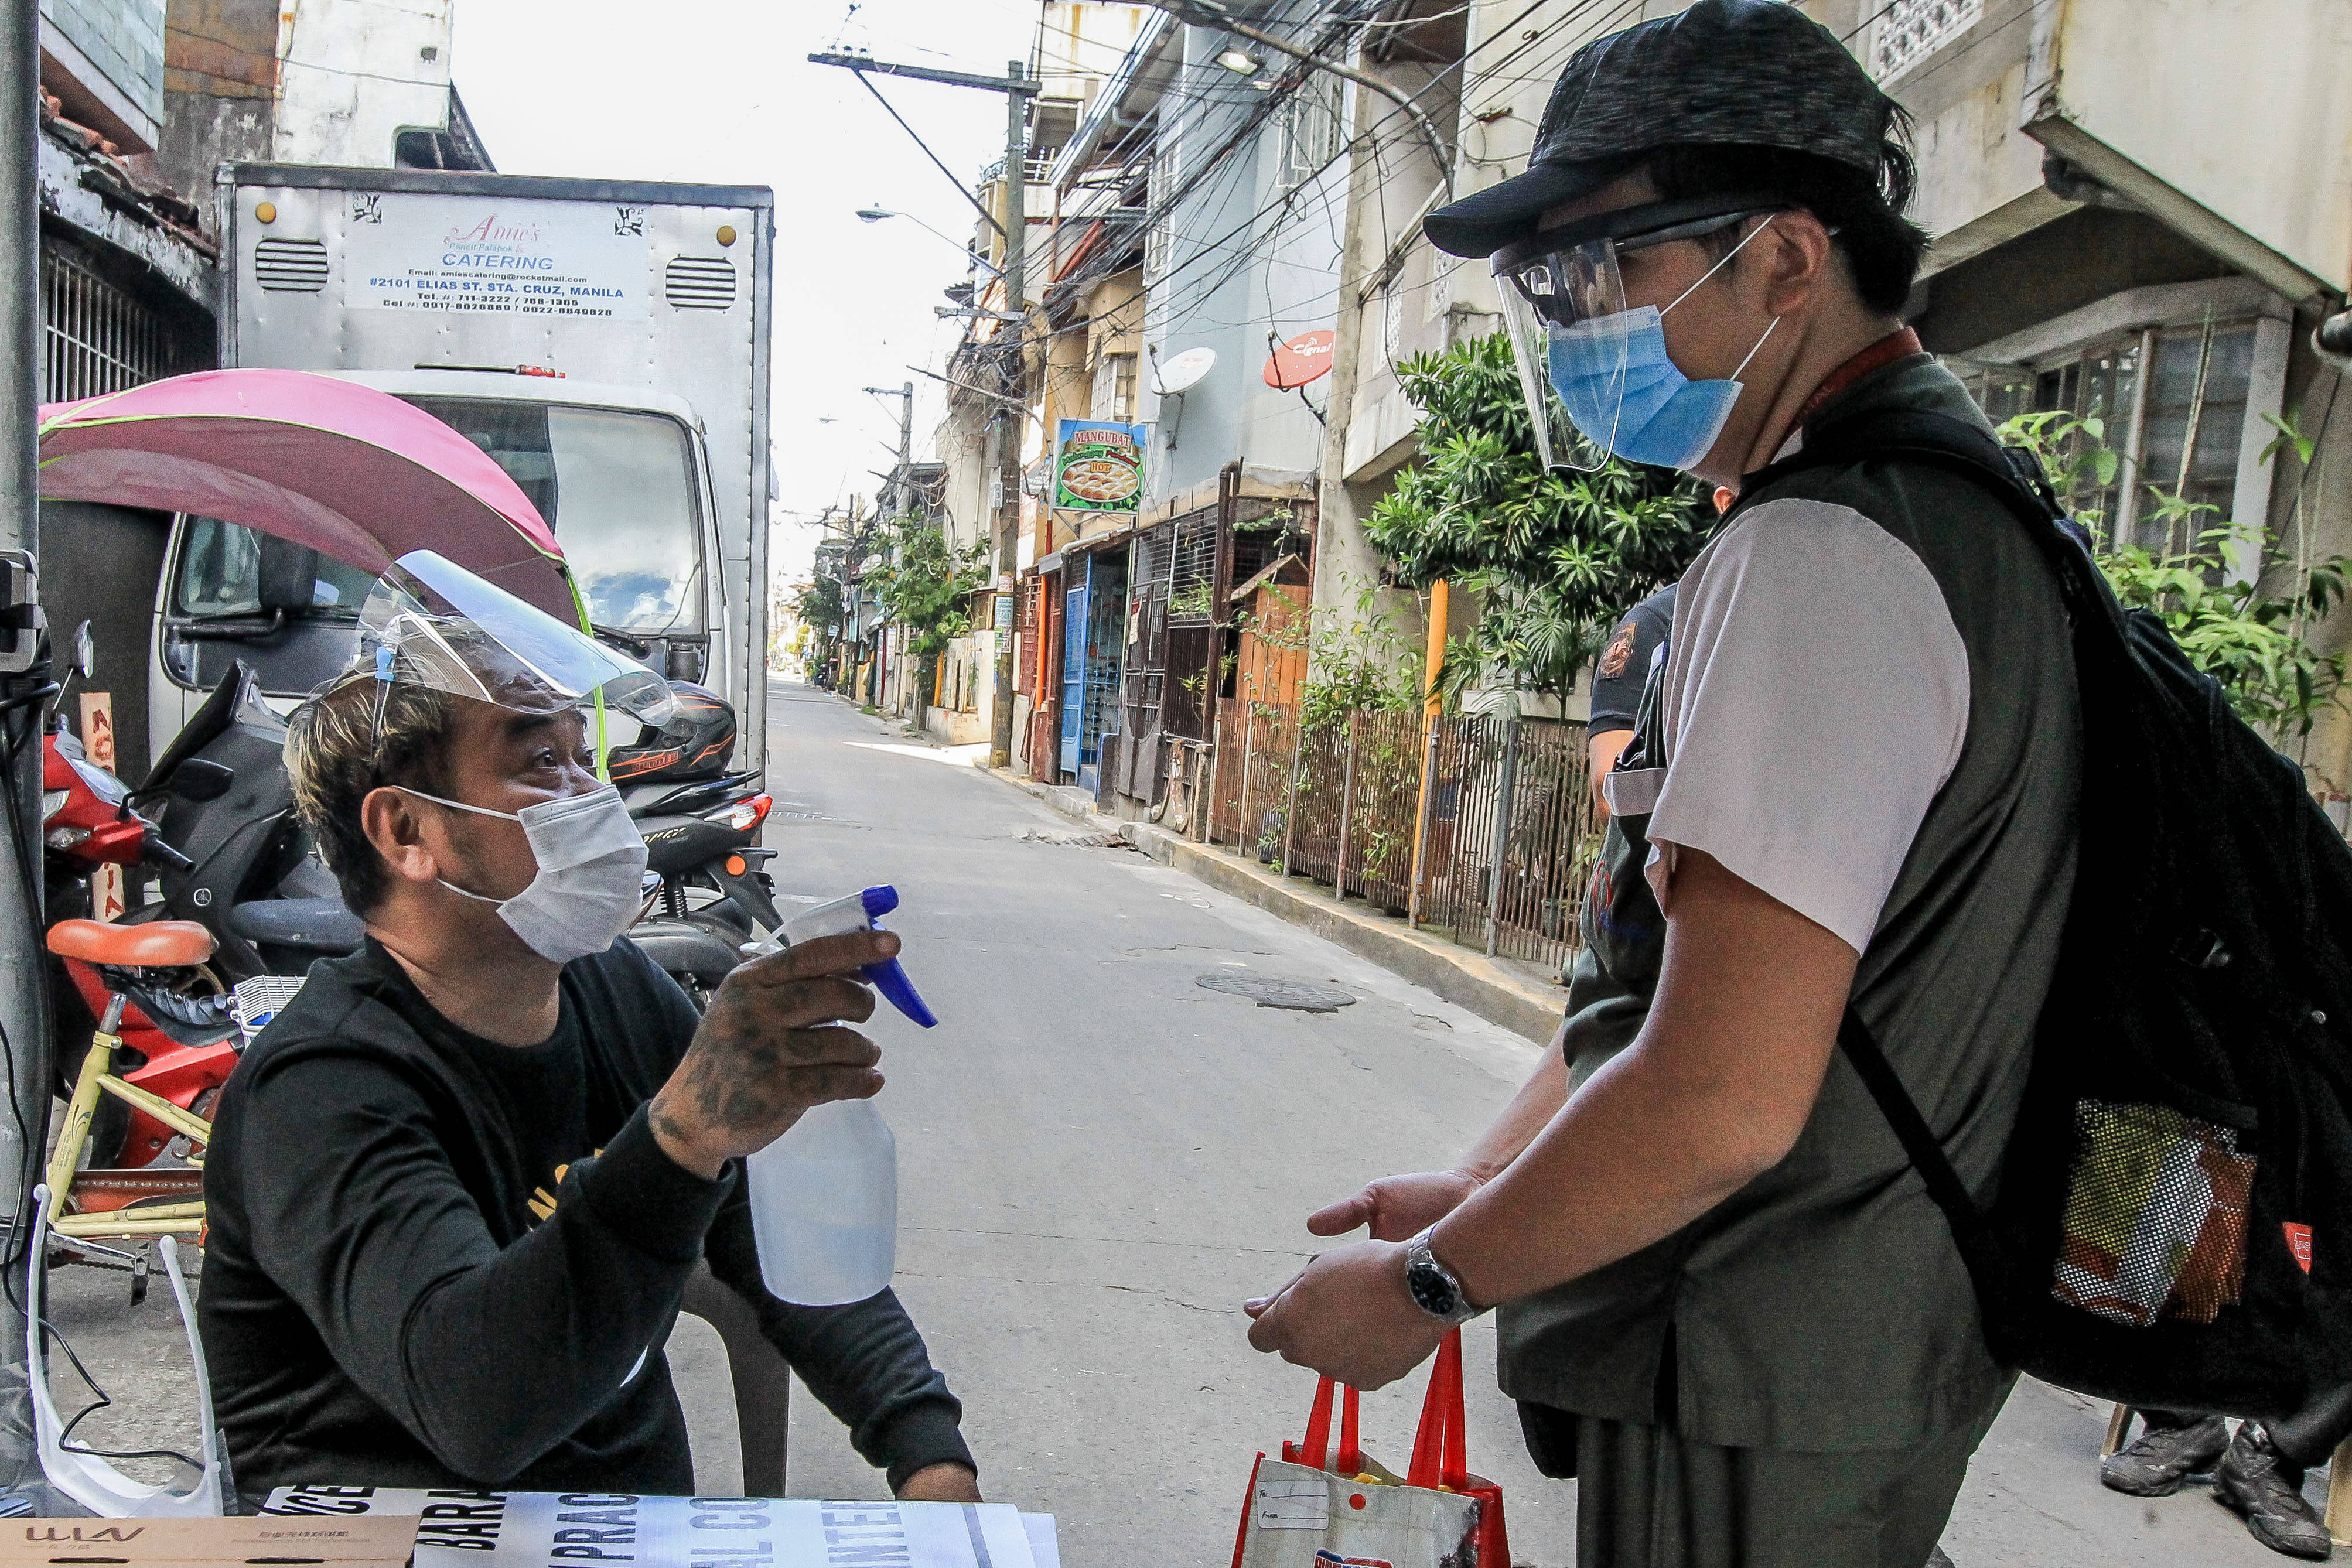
{"x":1619,"y":388}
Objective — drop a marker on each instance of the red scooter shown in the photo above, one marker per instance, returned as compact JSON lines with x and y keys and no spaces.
{"x":179,"y":1029}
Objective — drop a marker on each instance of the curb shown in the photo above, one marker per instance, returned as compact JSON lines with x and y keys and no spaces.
{"x":1469,"y":980}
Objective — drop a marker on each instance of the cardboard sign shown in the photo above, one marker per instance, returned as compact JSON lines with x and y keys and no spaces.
{"x":536,"y":1530}
{"x":97,"y":728}
{"x":108,"y":899}
{"x":369,"y":1541}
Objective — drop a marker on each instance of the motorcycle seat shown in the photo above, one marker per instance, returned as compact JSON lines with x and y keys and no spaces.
{"x":314,"y":925}
{"x":157,"y":945}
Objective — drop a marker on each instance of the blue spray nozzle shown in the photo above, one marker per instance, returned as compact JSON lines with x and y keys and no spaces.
{"x":887,"y":977}
{"x":861,"y":911}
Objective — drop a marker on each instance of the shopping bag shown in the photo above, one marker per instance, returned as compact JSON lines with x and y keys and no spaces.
{"x":1318,"y":1508}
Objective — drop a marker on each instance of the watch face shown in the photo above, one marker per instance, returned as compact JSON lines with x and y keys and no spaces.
{"x":1431,"y":1290}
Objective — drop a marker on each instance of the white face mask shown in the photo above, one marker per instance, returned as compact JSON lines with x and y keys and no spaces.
{"x":591,"y":864}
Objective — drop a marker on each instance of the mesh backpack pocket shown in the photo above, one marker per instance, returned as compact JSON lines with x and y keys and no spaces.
{"x":2155,"y":1222}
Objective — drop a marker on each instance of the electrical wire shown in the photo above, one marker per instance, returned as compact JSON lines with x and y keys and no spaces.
{"x":103,"y":1401}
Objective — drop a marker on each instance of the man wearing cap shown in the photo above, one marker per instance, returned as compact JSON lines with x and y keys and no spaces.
{"x":1729,"y":1307}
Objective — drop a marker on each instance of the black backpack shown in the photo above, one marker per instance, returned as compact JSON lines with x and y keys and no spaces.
{"x":2165,"y":1231}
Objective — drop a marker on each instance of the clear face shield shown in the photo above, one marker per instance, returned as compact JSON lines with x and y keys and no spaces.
{"x":1584,"y":358}
{"x":433,"y":623}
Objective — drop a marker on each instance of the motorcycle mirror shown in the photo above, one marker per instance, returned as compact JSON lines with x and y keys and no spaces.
{"x":288,"y":575}
{"x":85,"y":651}
{"x":201,"y":778}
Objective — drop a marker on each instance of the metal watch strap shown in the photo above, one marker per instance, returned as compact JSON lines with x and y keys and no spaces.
{"x":1433,"y":1286}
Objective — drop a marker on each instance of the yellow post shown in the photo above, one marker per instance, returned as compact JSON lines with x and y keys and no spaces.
{"x":1431,"y":703}
{"x":79,"y":1110}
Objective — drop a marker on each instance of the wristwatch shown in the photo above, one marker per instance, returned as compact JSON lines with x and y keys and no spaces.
{"x":1435,"y":1289}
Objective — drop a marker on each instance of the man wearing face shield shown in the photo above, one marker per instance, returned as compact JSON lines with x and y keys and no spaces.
{"x":457,"y":1185}
{"x":1728,"y":1305}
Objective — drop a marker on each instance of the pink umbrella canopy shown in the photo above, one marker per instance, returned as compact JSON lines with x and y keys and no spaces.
{"x":349,"y":471}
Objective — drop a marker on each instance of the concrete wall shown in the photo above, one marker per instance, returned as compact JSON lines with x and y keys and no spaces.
{"x":114,"y":49}
{"x":220,"y":89}
{"x":358,"y":71}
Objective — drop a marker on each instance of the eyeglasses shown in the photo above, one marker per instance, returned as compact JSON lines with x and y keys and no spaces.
{"x":1568,"y":274}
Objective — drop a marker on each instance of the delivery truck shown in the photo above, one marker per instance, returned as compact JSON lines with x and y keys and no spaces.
{"x":605,"y":341}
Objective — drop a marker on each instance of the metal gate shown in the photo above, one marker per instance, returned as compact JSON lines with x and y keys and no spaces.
{"x":96,"y":339}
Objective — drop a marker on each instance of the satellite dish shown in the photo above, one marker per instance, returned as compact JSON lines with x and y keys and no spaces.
{"x":1304,"y":359}
{"x":1183,"y":371}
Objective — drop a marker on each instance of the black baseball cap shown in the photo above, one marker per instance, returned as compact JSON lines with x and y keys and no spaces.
{"x":1753,"y":72}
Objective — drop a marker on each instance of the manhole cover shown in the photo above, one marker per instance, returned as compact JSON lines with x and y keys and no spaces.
{"x":1268,"y":992}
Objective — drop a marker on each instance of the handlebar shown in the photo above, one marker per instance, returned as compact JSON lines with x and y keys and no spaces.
{"x":156,"y":848}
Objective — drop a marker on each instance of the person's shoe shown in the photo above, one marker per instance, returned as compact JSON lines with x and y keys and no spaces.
{"x":2161,"y":1458}
{"x":2254,"y":1482}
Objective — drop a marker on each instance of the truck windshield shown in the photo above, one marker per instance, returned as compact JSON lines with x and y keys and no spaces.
{"x":618,"y":489}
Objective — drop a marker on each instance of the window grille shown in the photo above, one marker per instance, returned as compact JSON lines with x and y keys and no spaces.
{"x":1911,"y":30}
{"x":2180,"y":435}
{"x":96,"y":339}
{"x":1310,"y":130}
{"x":1112,"y":397}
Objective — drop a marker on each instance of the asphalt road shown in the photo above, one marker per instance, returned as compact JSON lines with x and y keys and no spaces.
{"x":1099,"y":1160}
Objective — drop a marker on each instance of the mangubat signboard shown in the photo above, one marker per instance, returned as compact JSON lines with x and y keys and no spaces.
{"x":1098,"y":467}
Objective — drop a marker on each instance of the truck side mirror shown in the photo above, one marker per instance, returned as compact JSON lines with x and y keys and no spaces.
{"x":288,"y":575}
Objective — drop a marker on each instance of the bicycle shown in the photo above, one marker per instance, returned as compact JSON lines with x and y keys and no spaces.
{"x":116,"y":1204}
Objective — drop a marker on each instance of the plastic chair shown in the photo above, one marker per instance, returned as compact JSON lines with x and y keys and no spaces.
{"x":763,"y":1383}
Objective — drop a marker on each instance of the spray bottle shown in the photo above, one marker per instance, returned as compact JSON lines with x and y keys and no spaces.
{"x":824,"y":1196}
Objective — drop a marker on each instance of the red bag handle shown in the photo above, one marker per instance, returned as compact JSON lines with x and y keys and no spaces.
{"x":1314,"y":1450}
{"x":1440,"y":1449}
{"x":1440,"y":1446}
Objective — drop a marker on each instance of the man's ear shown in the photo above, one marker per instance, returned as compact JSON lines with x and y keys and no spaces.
{"x":1803,"y":261}
{"x":392,"y":824}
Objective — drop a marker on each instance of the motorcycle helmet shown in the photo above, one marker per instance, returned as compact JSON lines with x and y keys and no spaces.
{"x":696,"y":741}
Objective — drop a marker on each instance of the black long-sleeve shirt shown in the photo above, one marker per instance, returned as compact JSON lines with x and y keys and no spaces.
{"x":438,"y":1260}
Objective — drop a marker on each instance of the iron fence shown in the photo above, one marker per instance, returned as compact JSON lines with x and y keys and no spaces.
{"x":1502,"y":832}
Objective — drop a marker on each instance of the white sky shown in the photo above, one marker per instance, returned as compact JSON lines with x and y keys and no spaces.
{"x":722,"y":92}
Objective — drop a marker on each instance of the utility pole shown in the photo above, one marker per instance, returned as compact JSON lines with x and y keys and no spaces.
{"x":24,"y":692}
{"x":906,"y":394}
{"x":1018,"y":89}
{"x":1016,"y":302}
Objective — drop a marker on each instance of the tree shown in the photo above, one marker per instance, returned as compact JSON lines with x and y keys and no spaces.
{"x":2246,"y":630}
{"x":926,"y":585}
{"x":1555,"y":556}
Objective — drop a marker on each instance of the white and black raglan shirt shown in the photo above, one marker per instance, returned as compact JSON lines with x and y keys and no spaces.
{"x":1865,"y":708}
{"x":1815,"y":692}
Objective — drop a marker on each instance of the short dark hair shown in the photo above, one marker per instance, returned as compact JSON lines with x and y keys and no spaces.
{"x":339,"y":746}
{"x":1863,"y":212}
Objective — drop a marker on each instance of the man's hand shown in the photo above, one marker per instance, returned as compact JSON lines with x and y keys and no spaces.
{"x":1348,"y":1315}
{"x":945,"y":1482}
{"x":770,"y":1047}
{"x":1397,"y":1207}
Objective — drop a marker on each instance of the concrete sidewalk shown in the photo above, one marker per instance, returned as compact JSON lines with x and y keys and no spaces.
{"x":1510,"y":995}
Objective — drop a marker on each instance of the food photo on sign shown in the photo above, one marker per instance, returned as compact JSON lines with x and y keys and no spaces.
{"x":1098,"y":467}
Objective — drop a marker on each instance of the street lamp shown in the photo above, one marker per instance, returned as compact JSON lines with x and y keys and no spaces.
{"x":876,"y":215}
{"x":1241,"y":62}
